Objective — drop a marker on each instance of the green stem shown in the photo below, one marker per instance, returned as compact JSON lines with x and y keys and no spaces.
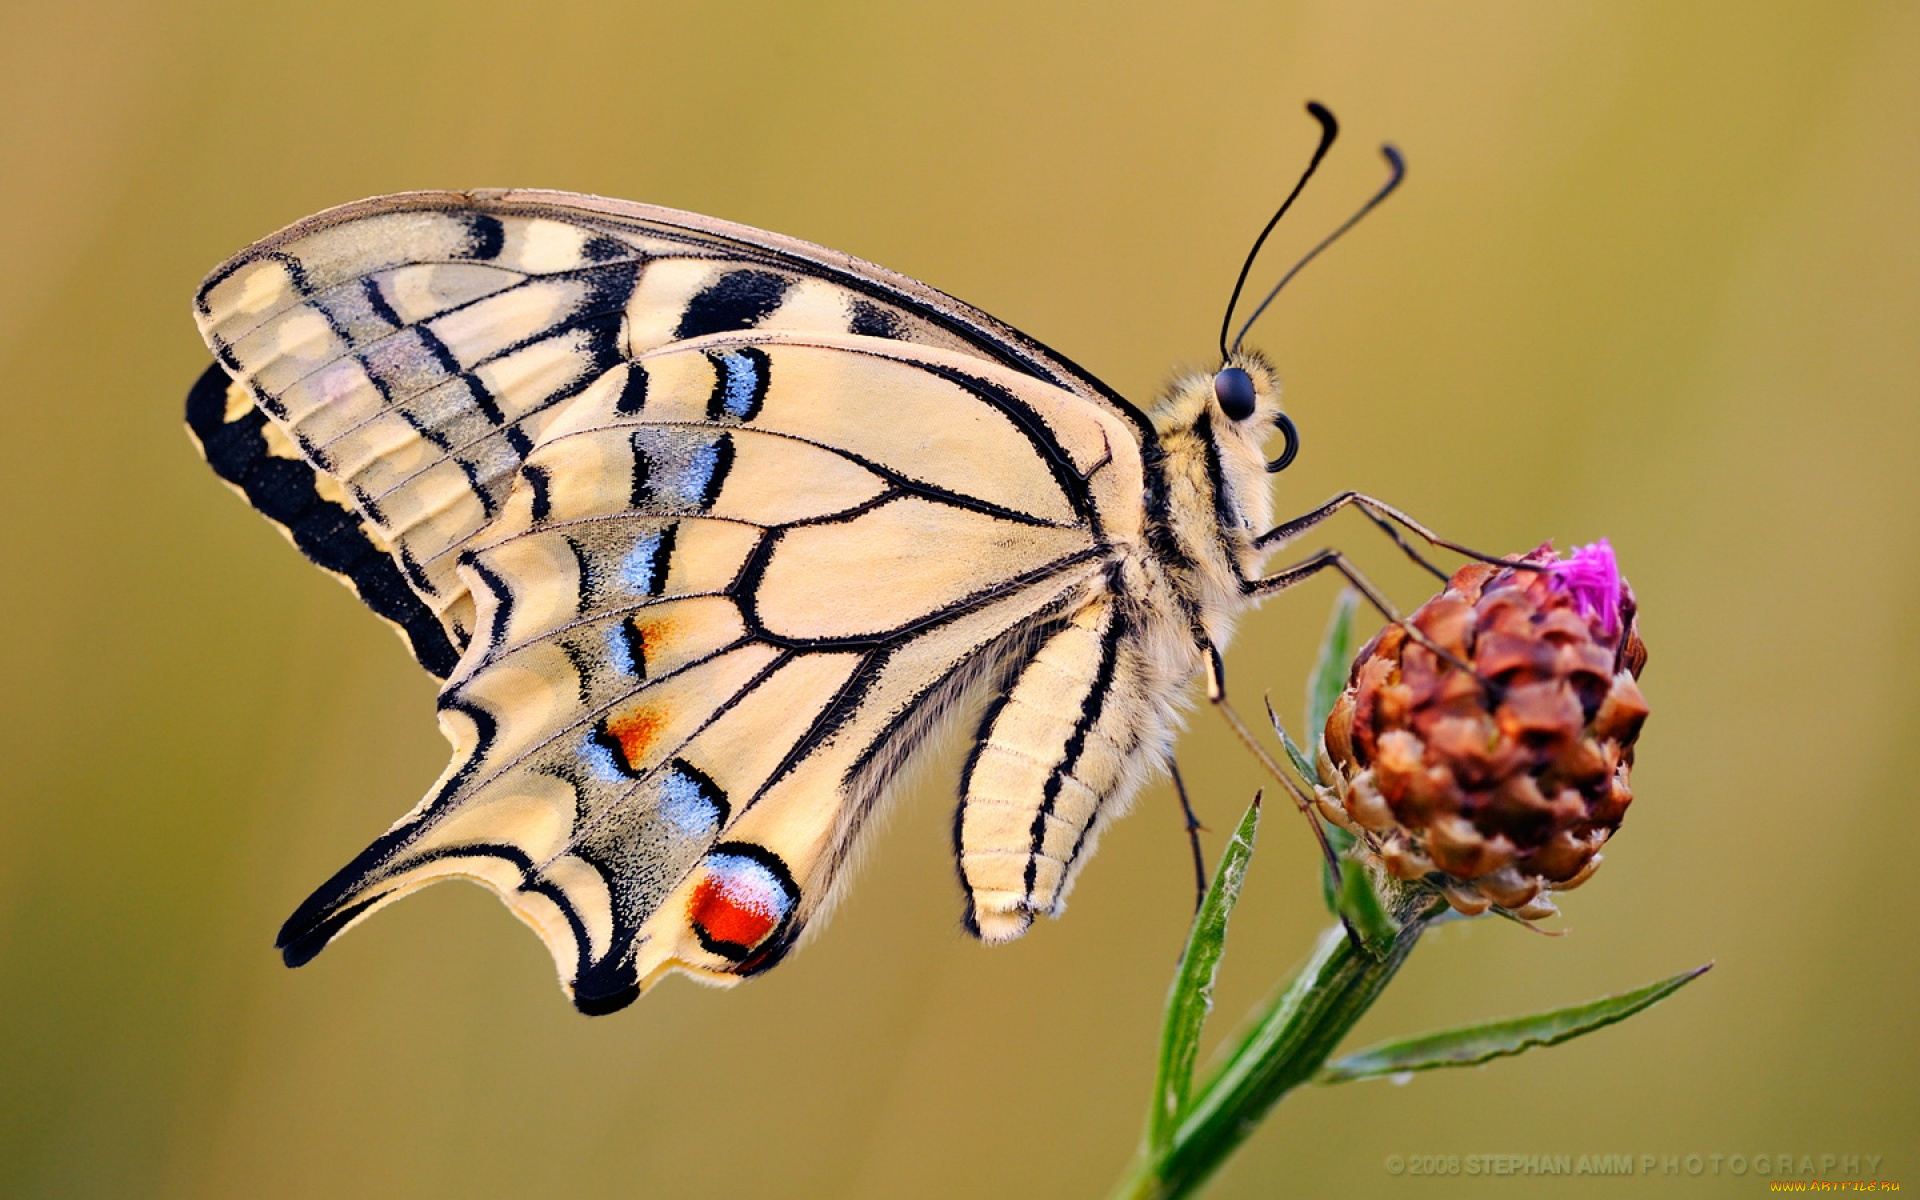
{"x":1285,"y":1048}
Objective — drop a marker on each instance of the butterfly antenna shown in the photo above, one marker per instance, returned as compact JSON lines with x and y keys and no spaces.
{"x":1329,"y":130}
{"x":1398,"y":166}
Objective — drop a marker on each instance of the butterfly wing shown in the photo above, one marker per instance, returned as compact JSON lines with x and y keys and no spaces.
{"x":707,"y":525}
{"x":393,"y":361}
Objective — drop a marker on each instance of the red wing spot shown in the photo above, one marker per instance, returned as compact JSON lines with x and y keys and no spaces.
{"x":636,"y":733}
{"x":733,"y":914}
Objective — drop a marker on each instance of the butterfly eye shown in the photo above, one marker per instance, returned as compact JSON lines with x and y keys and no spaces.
{"x":1233,"y":388}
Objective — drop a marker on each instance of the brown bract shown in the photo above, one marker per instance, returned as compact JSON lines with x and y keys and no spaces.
{"x":1496,"y":785}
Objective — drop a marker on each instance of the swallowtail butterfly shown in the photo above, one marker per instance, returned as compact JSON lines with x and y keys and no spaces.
{"x":705,"y":531}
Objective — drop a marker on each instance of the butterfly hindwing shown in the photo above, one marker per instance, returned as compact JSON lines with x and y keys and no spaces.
{"x":714,"y":613}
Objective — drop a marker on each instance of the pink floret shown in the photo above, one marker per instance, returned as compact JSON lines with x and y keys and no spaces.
{"x":1592,"y":577}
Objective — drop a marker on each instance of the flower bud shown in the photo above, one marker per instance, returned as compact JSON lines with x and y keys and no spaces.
{"x":1496,"y":770}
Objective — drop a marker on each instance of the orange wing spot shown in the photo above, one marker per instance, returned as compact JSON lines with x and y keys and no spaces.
{"x":636,"y":732}
{"x":728,"y":916}
{"x":656,"y":634}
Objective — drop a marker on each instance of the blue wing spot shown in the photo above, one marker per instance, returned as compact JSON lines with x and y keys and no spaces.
{"x":597,"y":754}
{"x":676,"y":473}
{"x":739,"y":385}
{"x":697,"y":485}
{"x":627,"y":647}
{"x":644,"y":569}
{"x":690,"y":802}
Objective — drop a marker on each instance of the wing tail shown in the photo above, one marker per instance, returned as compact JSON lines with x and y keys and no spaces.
{"x":568,"y":908}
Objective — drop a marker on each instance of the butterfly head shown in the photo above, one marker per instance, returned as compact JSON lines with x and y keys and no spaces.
{"x":1216,"y":431}
{"x":1237,"y":409}
{"x":1238,"y":397}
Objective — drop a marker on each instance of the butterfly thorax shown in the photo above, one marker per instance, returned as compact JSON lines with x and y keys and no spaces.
{"x":1216,"y":499}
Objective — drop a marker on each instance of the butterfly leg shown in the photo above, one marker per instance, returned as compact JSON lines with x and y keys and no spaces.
{"x":1217,"y":696}
{"x":1323,"y":560}
{"x":1193,"y":836}
{"x":1299,"y":573}
{"x":1334,"y":560}
{"x":1390,"y":521}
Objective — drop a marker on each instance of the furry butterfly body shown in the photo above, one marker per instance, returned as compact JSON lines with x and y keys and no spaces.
{"x":706,"y":530}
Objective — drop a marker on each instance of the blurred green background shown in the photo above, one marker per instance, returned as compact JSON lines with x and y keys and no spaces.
{"x":1655,"y":275}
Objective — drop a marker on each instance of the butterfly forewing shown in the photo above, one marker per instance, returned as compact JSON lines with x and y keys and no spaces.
{"x":412,"y":357}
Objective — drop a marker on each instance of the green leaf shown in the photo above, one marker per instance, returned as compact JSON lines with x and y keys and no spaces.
{"x":1330,"y":669}
{"x":1283,"y":1046}
{"x":1301,"y":762}
{"x":1496,"y":1039}
{"x":1191,"y":997}
{"x":1330,"y":883}
{"x":1360,"y":904}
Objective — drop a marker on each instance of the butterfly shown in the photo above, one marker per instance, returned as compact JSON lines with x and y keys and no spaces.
{"x":705,"y":531}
